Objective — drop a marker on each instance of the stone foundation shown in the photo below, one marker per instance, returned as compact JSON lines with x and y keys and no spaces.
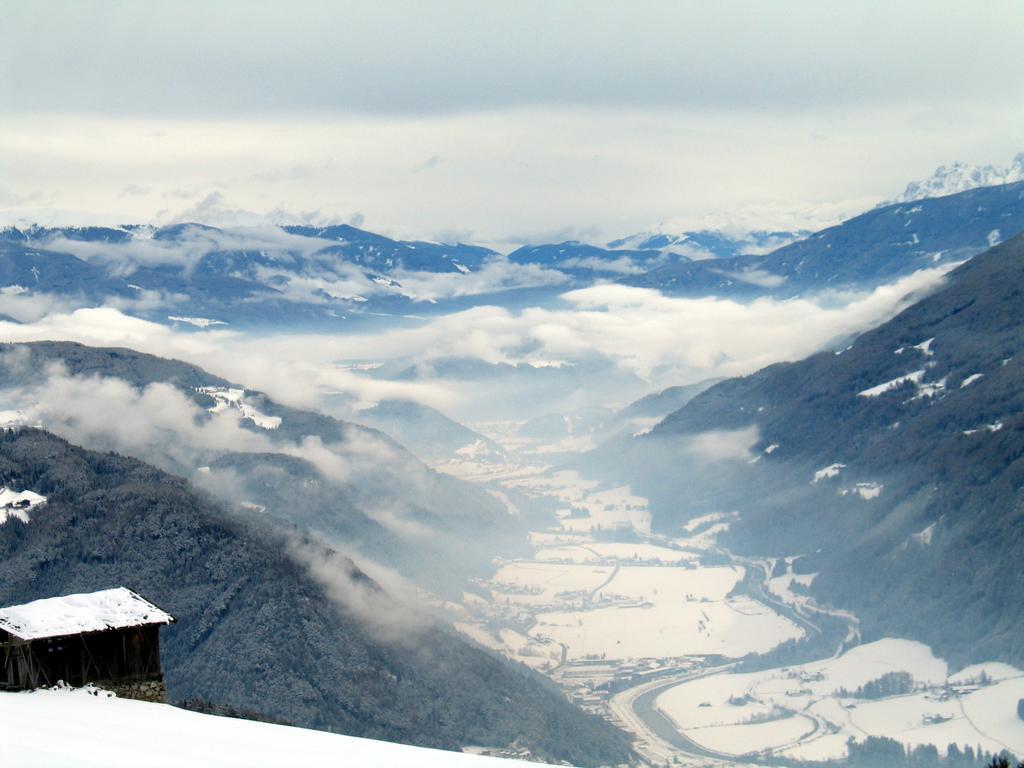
{"x":142,"y":690}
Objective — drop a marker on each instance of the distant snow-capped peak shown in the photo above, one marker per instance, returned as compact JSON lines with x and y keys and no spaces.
{"x":707,"y":243}
{"x":960,"y":177}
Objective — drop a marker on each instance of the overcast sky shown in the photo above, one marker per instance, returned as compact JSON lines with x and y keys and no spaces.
{"x":497,"y":121}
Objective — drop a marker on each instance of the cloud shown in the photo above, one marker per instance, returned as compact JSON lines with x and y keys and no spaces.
{"x":16,"y":200}
{"x":292,"y":173}
{"x":107,"y":326}
{"x":513,"y":176}
{"x":214,"y":209}
{"x":431,"y":162}
{"x":133,"y":190}
{"x":644,"y":331}
{"x":158,"y":423}
{"x":561,"y":233}
{"x":455,"y":55}
{"x":495,"y":275}
{"x":758,"y":277}
{"x":293,"y":264}
{"x":723,"y":445}
{"x":390,"y":613}
{"x":295,"y":370}
{"x":775,"y":215}
{"x":623,"y":265}
{"x":27,"y":306}
{"x":145,"y":300}
{"x":190,"y":245}
{"x":689,"y":250}
{"x":161,"y":424}
{"x":661,"y":339}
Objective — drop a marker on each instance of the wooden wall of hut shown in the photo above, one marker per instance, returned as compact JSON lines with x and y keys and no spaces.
{"x":120,"y":655}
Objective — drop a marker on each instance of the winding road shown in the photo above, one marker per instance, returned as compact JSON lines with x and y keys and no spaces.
{"x":593,"y":593}
{"x":661,"y":739}
{"x":636,"y":708}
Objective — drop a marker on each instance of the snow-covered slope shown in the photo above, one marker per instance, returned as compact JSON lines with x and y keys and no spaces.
{"x":18,"y":504}
{"x":959,"y":177}
{"x":85,"y":727}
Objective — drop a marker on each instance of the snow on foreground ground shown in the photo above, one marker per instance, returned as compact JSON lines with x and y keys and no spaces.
{"x":54,"y":729}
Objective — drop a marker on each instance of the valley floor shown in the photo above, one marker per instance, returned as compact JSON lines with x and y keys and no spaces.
{"x":647,"y":631}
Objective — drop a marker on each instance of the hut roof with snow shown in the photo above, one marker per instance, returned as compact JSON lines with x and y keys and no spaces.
{"x":111,"y":638}
{"x":116,"y":608}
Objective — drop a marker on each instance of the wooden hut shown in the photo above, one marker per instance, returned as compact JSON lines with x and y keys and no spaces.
{"x":110,"y":638}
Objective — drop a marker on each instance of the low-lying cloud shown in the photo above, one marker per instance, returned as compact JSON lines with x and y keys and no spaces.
{"x":190,"y":245}
{"x":494,"y":276}
{"x":162,"y":425}
{"x":646,"y":332}
{"x":660,"y":339}
{"x":723,"y":445}
{"x":300,"y":268}
{"x":387,"y":610}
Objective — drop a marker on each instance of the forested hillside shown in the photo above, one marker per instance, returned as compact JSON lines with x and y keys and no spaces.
{"x":269,"y":621}
{"x":356,"y":485}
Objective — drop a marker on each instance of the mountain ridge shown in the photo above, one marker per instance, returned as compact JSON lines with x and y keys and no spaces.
{"x":894,"y":466}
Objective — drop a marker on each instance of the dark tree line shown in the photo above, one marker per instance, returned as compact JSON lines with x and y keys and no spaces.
{"x":889,"y":684}
{"x":883,"y":752}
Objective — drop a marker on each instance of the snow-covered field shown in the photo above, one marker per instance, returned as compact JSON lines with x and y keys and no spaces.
{"x":74,"y":729}
{"x":668,"y":629}
{"x":723,"y":712}
{"x":18,"y":504}
{"x":228,"y":398}
{"x":583,"y":597}
{"x":753,"y":737}
{"x":546,"y":583}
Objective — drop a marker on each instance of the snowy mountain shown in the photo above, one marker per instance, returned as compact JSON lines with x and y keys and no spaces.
{"x":344,"y":278}
{"x":201,"y":275}
{"x":584,"y":261}
{"x":868,"y":250}
{"x":894,"y":465}
{"x":959,"y":177}
{"x":708,"y":243}
{"x":642,"y":252}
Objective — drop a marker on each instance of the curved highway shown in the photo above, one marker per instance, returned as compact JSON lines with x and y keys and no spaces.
{"x":662,"y":739}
